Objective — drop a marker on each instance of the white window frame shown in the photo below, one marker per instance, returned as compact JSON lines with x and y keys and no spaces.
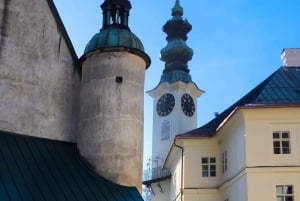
{"x":283,"y":194}
{"x":209,"y":168}
{"x":281,"y":142}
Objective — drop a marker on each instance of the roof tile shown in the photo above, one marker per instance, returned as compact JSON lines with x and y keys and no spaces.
{"x":280,"y":88}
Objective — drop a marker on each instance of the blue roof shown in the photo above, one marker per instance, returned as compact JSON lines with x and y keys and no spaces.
{"x":35,"y":169}
{"x":282,"y":88}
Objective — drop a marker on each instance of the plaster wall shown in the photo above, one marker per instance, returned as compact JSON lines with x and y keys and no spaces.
{"x":194,"y":151}
{"x":262,"y":182}
{"x":260,"y":126}
{"x":231,"y":139}
{"x":161,"y":191}
{"x":175,"y":184}
{"x":178,"y":121}
{"x":201,"y":194}
{"x":111,"y":115}
{"x":235,"y":189}
{"x":39,"y":86}
{"x":174,"y":164}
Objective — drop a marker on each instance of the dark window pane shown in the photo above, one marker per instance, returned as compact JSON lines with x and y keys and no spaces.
{"x":285,"y":150}
{"x":277,"y":151}
{"x":212,"y":167}
{"x":212,"y":160}
{"x":204,"y":160}
{"x":276,"y":144}
{"x":289,"y":190}
{"x":276,"y":135}
{"x":285,"y":143}
{"x":204,"y":167}
{"x":285,"y":135}
{"x":212,"y":173}
{"x":289,"y":198}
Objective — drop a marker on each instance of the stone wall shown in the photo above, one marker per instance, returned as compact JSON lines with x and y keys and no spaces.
{"x":111,"y":116}
{"x":39,"y":85}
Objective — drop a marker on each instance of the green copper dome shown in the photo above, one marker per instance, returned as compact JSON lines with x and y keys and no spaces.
{"x":115,"y":33}
{"x":114,"y":36}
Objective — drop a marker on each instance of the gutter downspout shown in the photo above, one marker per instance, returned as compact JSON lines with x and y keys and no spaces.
{"x":181,"y":179}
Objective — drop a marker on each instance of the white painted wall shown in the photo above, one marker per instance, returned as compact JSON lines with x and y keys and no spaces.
{"x":179,"y":122}
{"x":231,"y":138}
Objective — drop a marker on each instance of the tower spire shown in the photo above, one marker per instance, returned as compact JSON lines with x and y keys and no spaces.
{"x":176,"y":54}
{"x":177,"y":10}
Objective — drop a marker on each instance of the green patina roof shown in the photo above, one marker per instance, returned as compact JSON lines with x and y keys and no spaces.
{"x":114,"y":36}
{"x":282,"y":88}
{"x":174,"y":76}
{"x":35,"y":169}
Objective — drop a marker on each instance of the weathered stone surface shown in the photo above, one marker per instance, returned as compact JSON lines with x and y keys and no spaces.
{"x":39,"y":87}
{"x":111,"y":116}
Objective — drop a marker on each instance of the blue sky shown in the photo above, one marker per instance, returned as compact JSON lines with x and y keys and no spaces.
{"x":236,"y":43}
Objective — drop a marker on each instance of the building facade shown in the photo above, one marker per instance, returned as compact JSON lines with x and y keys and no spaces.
{"x":248,"y":152}
{"x":56,"y":107}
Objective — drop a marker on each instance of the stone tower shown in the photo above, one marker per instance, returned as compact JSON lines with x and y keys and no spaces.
{"x":111,"y":100}
{"x":175,"y":97}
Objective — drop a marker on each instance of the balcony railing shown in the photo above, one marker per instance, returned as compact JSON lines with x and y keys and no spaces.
{"x":155,"y":175}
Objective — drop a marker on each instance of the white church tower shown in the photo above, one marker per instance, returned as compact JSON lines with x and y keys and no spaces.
{"x":175,"y":97}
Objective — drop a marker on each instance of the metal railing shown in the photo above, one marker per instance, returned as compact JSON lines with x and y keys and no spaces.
{"x":156,"y":173}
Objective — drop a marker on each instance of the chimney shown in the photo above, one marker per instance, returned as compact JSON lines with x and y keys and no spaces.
{"x":291,"y":57}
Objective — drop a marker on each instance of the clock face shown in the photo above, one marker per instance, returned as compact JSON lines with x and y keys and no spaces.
{"x":165,"y":104}
{"x":187,"y":105}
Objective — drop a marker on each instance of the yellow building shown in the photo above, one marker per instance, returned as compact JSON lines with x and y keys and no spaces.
{"x":249,"y":152}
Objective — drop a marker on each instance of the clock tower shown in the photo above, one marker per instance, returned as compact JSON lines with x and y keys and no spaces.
{"x":175,"y":97}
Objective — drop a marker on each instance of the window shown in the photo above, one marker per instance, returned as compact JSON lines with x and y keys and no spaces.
{"x":284,"y":193}
{"x":165,"y":130}
{"x":224,"y":161}
{"x":281,"y":142}
{"x":208,"y":167}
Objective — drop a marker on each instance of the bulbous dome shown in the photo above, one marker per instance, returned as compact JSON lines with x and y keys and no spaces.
{"x":177,"y":53}
{"x":114,"y":36}
{"x":176,"y":50}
